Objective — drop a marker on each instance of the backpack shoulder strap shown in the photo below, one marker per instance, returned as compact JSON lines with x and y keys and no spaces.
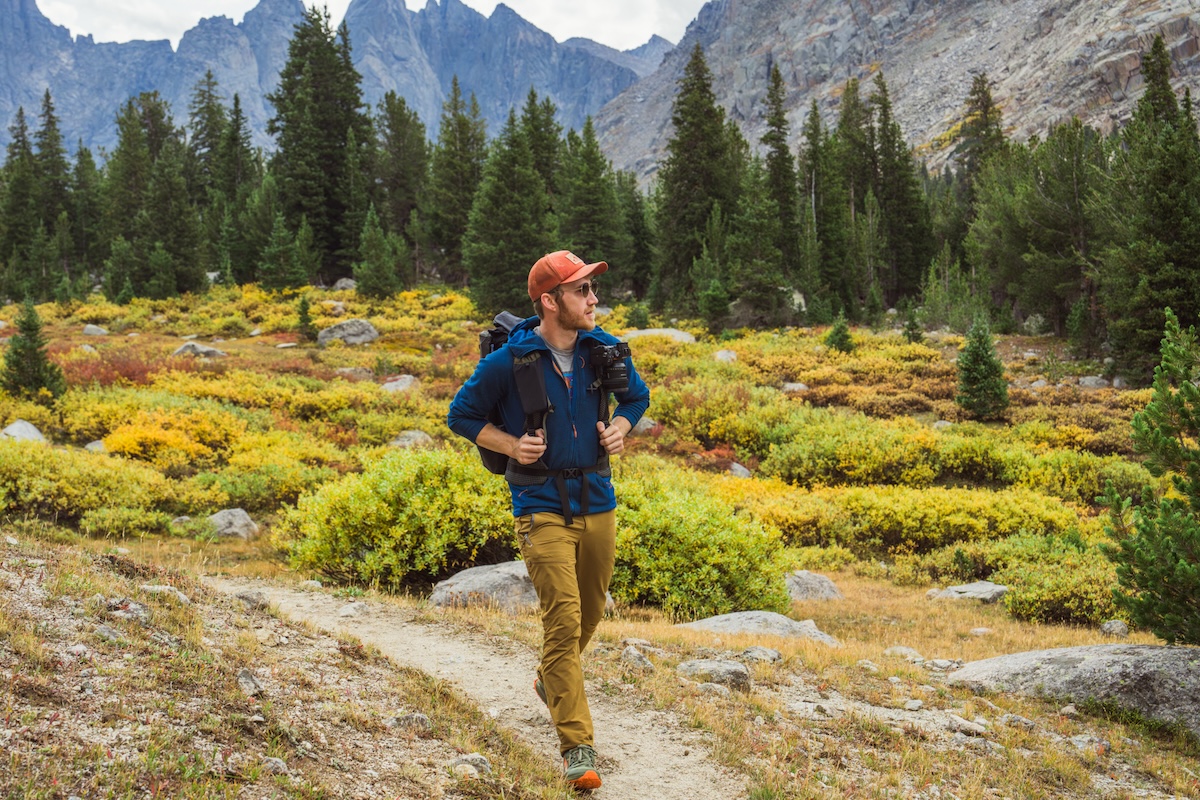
{"x":531,"y":387}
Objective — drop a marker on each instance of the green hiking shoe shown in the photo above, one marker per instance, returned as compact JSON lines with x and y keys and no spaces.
{"x":579,"y":767}
{"x":540,"y":688}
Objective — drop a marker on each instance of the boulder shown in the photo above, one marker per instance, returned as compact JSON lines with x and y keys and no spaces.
{"x":794,"y":388}
{"x":97,"y":446}
{"x":87,"y":348}
{"x":234,"y":522}
{"x":671,"y":333}
{"x":762,"y":622}
{"x":504,"y":585}
{"x":738,"y":471}
{"x":766,"y":655}
{"x":733,"y":674}
{"x":985,"y":591}
{"x":725,"y":356}
{"x":22,"y":431}
{"x":405,"y":383}
{"x":805,"y":585}
{"x":1093,"y":382}
{"x":1115,"y":628}
{"x":410,"y":439}
{"x":644,"y":426}
{"x":197,"y":349}
{"x":345,"y":283}
{"x":352,"y":331}
{"x":1161,"y":683}
{"x":94,"y":330}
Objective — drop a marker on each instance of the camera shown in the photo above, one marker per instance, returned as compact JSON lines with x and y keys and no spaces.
{"x":611,"y":369}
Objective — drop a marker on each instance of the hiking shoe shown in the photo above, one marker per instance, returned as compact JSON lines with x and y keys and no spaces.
{"x":540,"y":688}
{"x":579,"y":767}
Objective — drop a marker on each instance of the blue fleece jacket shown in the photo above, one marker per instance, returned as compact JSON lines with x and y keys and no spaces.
{"x":571,"y":436}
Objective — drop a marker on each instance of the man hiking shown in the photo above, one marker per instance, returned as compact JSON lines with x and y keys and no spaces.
{"x":558,"y":437}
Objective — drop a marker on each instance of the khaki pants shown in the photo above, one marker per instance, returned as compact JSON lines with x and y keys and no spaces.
{"x":570,"y":566}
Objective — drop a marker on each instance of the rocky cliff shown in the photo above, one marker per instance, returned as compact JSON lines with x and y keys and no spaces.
{"x":415,"y":54}
{"x":1049,"y":61}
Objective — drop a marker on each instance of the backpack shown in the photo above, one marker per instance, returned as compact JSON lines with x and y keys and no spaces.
{"x":531,"y":386}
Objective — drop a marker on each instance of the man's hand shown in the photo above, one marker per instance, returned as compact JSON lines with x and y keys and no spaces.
{"x":530,"y":447}
{"x":612,"y":436}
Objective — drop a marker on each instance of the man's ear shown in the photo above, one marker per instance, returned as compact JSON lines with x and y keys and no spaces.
{"x":550,"y":301}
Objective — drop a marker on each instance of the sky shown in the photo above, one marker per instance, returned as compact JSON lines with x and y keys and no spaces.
{"x":623,"y":24}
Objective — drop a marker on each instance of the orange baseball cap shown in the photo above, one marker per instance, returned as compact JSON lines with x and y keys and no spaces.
{"x":561,"y":266}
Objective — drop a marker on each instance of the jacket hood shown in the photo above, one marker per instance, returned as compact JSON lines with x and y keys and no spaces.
{"x":523,"y":340}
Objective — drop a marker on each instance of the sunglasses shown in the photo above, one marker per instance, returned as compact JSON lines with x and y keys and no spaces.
{"x":584,"y":289}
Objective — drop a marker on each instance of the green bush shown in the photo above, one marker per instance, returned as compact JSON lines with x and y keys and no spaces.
{"x":688,"y":552}
{"x":1077,"y":590}
{"x":123,"y":522}
{"x":421,"y":512}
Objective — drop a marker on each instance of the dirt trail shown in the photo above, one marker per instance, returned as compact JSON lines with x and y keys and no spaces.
{"x":643,"y":753}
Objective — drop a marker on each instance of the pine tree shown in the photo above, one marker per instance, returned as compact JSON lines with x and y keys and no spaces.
{"x":782,"y":178}
{"x":1157,"y":553}
{"x":982,"y":390}
{"x":277,"y":267}
{"x":854,"y":148}
{"x":128,"y":174}
{"x":307,"y":259}
{"x":53,"y":171}
{"x":838,"y":337}
{"x":544,"y":134}
{"x":255,"y":225}
{"x":235,"y":165}
{"x":207,"y":123}
{"x":508,"y":228}
{"x":356,"y":197}
{"x":635,"y":251}
{"x":375,"y":271}
{"x":87,"y":210}
{"x":318,"y":106}
{"x":304,"y":321}
{"x":403,"y":161}
{"x":980,"y":137}
{"x":828,"y":206}
{"x":169,"y":220}
{"x":455,"y":174}
{"x":694,"y":177}
{"x":118,"y":271}
{"x":20,"y":217}
{"x":28,"y":371}
{"x":754,"y":264}
{"x":589,"y":214}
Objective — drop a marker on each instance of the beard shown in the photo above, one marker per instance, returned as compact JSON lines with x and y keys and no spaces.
{"x":575,"y":320}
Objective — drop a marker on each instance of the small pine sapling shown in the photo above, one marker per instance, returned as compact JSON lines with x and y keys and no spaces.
{"x":28,"y":371}
{"x":838,"y":337}
{"x":982,"y":390}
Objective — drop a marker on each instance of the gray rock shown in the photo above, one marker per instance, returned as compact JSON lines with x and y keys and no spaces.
{"x":274,"y":766}
{"x":980,"y":631}
{"x":867,"y":664}
{"x":738,"y":471}
{"x":476,"y":760}
{"x":794,"y":387}
{"x":356,"y":373}
{"x":960,"y":725}
{"x":23,"y":431}
{"x":1069,"y":711}
{"x":764,"y":655}
{"x":415,"y":721}
{"x":182,"y":520}
{"x":1160,"y":683}
{"x":352,"y":331}
{"x":1119,"y":383}
{"x":352,"y":610}
{"x":943,"y":424}
{"x":286,"y":345}
{"x":942,"y":664}
{"x":714,"y":690}
{"x":234,"y":522}
{"x":124,"y":608}
{"x":506,"y":586}
{"x":907,"y":653}
{"x":1093,"y":382}
{"x":94,"y":330}
{"x":805,"y":585}
{"x":984,"y":591}
{"x":408,"y":440}
{"x":96,"y":447}
{"x":725,"y":356}
{"x":253,"y":599}
{"x":644,"y":426}
{"x":1115,"y":628}
{"x":197,"y":349}
{"x":256,"y":332}
{"x":671,"y":333}
{"x":345,"y":283}
{"x":1017,"y":721}
{"x":762,"y":622}
{"x":334,"y":308}
{"x":169,"y":591}
{"x":710,"y":670}
{"x":405,"y":383}
{"x":78,"y":650}
{"x":248,"y":683}
{"x":310,"y":584}
{"x":1039,"y":384}
{"x":107,"y":634}
{"x":913,"y":705}
{"x":87,"y":348}
{"x":634,"y":657}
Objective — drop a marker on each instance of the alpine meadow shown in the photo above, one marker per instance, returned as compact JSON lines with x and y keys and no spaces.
{"x":929,"y":434}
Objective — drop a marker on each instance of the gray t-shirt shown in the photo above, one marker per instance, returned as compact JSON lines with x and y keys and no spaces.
{"x":563,"y":358}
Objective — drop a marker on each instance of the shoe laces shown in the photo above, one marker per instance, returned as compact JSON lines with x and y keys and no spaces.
{"x":583,"y":755}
